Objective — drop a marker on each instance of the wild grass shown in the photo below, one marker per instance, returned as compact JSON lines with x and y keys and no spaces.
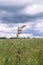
{"x":21,"y":51}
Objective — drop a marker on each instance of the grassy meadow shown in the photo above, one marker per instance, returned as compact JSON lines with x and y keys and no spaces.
{"x":21,"y":51}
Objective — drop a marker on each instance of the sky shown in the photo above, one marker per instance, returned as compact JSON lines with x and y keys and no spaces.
{"x":14,"y":13}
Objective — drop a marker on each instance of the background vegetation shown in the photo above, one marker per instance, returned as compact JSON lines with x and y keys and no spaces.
{"x":21,"y":51}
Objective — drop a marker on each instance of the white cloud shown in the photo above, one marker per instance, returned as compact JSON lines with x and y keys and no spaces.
{"x":25,"y":35}
{"x":7,"y":35}
{"x":5,"y":28}
{"x":7,"y":31}
{"x":4,"y":35}
{"x":33,"y":9}
{"x":39,"y":26}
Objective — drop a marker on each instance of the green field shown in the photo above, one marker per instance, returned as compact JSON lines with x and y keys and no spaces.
{"x":21,"y":51}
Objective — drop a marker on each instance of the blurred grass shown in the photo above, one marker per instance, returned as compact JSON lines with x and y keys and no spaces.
{"x":21,"y":51}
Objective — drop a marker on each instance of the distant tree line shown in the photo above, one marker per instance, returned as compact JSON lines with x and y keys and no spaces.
{"x":2,"y":37}
{"x":14,"y":38}
{"x":19,"y":38}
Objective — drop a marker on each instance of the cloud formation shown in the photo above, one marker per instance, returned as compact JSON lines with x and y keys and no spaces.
{"x":14,"y":13}
{"x":33,"y":9}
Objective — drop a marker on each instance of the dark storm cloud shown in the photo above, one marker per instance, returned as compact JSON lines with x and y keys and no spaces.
{"x":15,"y":15}
{"x":22,"y":18}
{"x":12,"y":9}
